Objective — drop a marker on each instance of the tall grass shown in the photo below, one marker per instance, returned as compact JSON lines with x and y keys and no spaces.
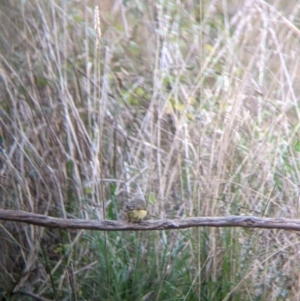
{"x":193,"y":105}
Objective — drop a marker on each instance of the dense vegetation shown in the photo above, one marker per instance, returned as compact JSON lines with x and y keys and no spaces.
{"x":194,"y":105}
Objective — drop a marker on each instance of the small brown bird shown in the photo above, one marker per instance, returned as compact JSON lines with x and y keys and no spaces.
{"x":136,"y":210}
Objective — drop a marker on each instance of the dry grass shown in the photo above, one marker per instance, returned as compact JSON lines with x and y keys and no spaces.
{"x":193,"y":105}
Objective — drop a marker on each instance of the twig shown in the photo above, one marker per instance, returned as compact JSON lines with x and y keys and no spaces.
{"x":165,"y":224}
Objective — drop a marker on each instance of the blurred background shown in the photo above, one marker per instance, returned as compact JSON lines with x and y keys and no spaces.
{"x":193,"y":105}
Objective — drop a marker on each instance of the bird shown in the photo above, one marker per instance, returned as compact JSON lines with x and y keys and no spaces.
{"x":136,"y":210}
